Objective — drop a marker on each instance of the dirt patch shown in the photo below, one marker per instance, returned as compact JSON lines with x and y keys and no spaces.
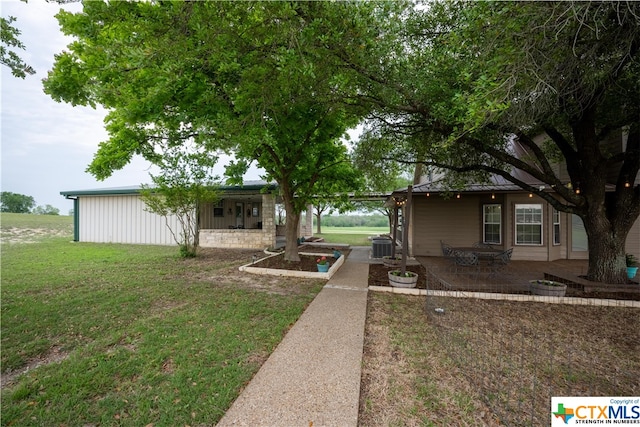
{"x":378,"y":275}
{"x":306,"y":263}
{"x":54,"y":355}
{"x":30,"y":235}
{"x":219,"y":267}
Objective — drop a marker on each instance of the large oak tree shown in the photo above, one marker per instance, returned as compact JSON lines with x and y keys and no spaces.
{"x":243,"y":77}
{"x":455,"y":82}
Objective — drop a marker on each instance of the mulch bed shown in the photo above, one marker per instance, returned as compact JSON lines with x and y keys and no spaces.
{"x":378,"y":275}
{"x":307,"y":262}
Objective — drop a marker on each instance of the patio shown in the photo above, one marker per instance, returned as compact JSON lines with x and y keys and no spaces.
{"x":443,"y":274}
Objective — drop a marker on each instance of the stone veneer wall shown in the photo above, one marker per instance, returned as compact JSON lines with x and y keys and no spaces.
{"x":247,"y":238}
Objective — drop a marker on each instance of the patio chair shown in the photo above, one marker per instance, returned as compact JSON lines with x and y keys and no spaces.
{"x":447,"y":251}
{"x":466,"y":260}
{"x":501,"y":260}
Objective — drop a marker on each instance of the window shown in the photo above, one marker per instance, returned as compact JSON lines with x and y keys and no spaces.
{"x":492,"y":224}
{"x":218,"y":209}
{"x":529,"y":224}
{"x":556,"y":227}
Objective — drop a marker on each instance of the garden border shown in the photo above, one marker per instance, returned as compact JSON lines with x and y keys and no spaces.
{"x":294,"y":273}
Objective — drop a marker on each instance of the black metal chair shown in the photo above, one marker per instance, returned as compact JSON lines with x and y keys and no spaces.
{"x":466,"y":261}
{"x":447,"y":251}
{"x":500,"y":261}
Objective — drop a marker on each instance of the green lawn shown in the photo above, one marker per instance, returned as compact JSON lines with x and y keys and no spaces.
{"x":355,"y":236}
{"x":130,"y":335}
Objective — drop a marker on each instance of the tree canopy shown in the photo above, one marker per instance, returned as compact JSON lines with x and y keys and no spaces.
{"x":9,"y":45}
{"x":16,"y":203}
{"x":466,"y":79}
{"x":242,"y":77}
{"x":450,"y":85}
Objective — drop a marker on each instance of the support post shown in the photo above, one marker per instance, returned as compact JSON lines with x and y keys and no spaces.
{"x":405,"y":230}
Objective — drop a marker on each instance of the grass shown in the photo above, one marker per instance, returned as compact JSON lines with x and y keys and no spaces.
{"x":131,"y":335}
{"x":354,"y":236}
{"x":486,"y":362}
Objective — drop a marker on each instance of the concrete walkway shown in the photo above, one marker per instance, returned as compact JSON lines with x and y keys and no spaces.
{"x":313,"y":376}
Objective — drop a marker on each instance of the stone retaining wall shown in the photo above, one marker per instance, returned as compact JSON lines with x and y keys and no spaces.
{"x":237,"y":239}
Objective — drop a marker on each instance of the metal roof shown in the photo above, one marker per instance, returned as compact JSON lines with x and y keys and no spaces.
{"x":247,"y":187}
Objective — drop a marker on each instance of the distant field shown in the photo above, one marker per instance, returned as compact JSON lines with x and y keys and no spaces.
{"x":370,"y":231}
{"x":354,"y":236}
{"x":28,"y":228}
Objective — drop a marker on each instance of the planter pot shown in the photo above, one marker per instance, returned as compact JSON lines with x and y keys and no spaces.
{"x":403,"y":282}
{"x":547,"y":288}
{"x":631,"y":272}
{"x":337,"y":254}
{"x":390,"y":262}
{"x":323,"y":268}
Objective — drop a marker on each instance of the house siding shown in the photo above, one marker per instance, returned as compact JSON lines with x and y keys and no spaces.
{"x":458,"y":222}
{"x":432,"y":221}
{"x":122,"y":219}
{"x":633,"y":240}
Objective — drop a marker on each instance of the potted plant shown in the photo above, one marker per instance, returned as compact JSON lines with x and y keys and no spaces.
{"x":389,"y":261}
{"x":547,"y":288}
{"x":632,"y":265}
{"x":322,"y":264}
{"x":398,"y":279}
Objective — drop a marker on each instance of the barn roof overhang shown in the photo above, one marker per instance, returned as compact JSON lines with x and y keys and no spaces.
{"x":248,"y":188}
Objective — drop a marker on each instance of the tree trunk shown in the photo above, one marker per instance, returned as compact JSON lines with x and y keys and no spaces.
{"x":319,"y":223}
{"x":607,"y":218}
{"x":291,"y":232}
{"x":606,"y":254}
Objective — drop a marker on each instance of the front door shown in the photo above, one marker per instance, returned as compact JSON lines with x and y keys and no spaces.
{"x":239,"y":215}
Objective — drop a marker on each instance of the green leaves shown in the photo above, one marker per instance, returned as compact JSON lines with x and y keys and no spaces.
{"x":9,"y":40}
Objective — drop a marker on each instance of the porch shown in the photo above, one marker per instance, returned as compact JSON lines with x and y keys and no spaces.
{"x":443,"y":275}
{"x":245,"y":220}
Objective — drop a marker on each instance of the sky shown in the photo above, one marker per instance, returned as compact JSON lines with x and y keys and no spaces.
{"x":46,"y":146}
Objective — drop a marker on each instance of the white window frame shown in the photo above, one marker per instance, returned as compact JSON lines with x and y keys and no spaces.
{"x":529,"y":221}
{"x":485,"y":223}
{"x":556,"y":226}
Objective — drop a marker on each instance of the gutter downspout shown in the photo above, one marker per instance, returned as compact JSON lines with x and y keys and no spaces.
{"x":76,"y":217}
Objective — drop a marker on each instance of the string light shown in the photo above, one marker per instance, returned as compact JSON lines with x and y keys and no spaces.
{"x":493,"y":196}
{"x":458,"y":196}
{"x":627,"y":184}
{"x":530,"y":195}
